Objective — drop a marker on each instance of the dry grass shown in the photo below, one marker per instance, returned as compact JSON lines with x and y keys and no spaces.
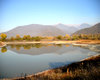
{"x":56,"y":42}
{"x":88,"y":41}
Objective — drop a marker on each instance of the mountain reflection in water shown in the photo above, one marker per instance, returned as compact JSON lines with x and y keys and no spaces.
{"x":33,"y":49}
{"x":33,"y":58}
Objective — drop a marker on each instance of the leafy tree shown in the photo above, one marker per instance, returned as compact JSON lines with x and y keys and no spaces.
{"x":98,"y":36}
{"x":37,"y":38}
{"x":25,"y":37}
{"x":12,"y":38}
{"x":3,"y":36}
{"x":28,"y":37}
{"x":67,"y":37}
{"x":59,"y":37}
{"x":18,"y":37}
{"x":75,"y":37}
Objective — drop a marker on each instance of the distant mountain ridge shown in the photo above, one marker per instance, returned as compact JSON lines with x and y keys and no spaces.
{"x":84,"y":25}
{"x":35,"y":30}
{"x":91,"y":30}
{"x":43,"y":30}
{"x":66,"y":28}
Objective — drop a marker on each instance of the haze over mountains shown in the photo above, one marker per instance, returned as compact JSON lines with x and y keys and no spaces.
{"x":66,"y":28}
{"x":45,"y":30}
{"x":91,"y":30}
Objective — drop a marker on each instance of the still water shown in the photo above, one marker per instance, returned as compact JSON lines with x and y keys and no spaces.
{"x":19,"y":60}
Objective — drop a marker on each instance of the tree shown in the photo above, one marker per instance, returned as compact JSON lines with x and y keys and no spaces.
{"x":37,"y":38}
{"x":75,"y":37}
{"x":12,"y":38}
{"x":28,"y":37}
{"x":67,"y":37}
{"x":18,"y":37}
{"x":3,"y":36}
{"x":25,"y":37}
{"x":98,"y":36}
{"x":59,"y":37}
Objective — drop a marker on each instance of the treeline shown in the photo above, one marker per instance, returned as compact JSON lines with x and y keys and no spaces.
{"x":3,"y":37}
{"x":78,"y":37}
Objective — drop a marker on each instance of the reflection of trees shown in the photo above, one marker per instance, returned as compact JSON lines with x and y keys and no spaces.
{"x":60,"y":45}
{"x":27,"y":46}
{"x":38,"y":45}
{"x":67,"y":45}
{"x":3,"y":49}
{"x":18,"y":47}
{"x":12,"y":46}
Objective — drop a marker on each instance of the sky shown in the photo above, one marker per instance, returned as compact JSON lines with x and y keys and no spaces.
{"x":15,"y":13}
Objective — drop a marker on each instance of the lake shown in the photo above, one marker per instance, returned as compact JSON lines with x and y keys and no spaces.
{"x":21,"y":60}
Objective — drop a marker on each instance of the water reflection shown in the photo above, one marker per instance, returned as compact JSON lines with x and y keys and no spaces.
{"x":37,"y":58}
{"x":39,"y":49}
{"x":29,"y":46}
{"x":3,"y":49}
{"x":19,"y":47}
{"x":57,"y":64}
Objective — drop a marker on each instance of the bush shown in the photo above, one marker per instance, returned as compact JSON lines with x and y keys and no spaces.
{"x":37,"y":38}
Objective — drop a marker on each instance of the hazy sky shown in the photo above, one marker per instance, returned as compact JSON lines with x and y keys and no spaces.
{"x":23,"y":12}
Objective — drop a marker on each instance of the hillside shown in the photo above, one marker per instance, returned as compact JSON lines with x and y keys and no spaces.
{"x":44,"y":30}
{"x":84,"y":25}
{"x":67,"y":28}
{"x":35,"y":30}
{"x":92,"y":30}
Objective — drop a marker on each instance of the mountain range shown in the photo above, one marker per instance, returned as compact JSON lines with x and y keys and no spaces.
{"x":35,"y":30}
{"x":91,"y":30}
{"x":47,"y":30}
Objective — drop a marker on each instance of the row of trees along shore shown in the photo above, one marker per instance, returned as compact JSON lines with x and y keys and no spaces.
{"x":3,"y":37}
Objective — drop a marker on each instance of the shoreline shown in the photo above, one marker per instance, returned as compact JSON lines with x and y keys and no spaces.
{"x":83,"y":44}
{"x":53,"y":71}
{"x":76,"y":42}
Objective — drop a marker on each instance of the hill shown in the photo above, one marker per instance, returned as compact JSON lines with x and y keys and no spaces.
{"x":91,"y":30}
{"x":66,"y":28}
{"x":44,"y":30}
{"x":35,"y":30}
{"x":84,"y":25}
